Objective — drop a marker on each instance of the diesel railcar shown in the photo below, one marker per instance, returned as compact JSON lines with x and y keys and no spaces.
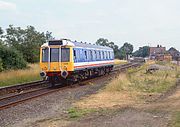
{"x":71,"y":61}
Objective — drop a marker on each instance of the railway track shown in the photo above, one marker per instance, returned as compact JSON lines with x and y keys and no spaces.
{"x":22,"y":87}
{"x":126,"y":66}
{"x":14,"y":99}
{"x":19,"y":98}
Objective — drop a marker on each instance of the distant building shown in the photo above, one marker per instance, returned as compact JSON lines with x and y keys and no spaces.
{"x":157,"y":53}
{"x":167,"y":57}
{"x":174,"y":53}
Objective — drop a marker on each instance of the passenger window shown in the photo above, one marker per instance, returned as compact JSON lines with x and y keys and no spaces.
{"x":103,"y":55}
{"x":85,"y":52}
{"x":81,"y":55}
{"x":74,"y":54}
{"x":96,"y":55}
{"x":91,"y":55}
{"x":99,"y":55}
{"x":107,"y":55}
{"x":81,"y":52}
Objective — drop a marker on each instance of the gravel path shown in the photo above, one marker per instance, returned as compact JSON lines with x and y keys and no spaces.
{"x":47,"y":107}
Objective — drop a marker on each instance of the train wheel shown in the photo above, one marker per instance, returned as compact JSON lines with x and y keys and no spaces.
{"x":70,"y":81}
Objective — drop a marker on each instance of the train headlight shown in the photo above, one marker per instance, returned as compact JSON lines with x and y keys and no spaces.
{"x":54,"y":68}
{"x":64,"y":74}
{"x":45,"y":68}
{"x":65,"y":68}
{"x":43,"y":74}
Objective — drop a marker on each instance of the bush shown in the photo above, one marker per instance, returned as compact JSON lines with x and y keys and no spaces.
{"x":1,"y":65}
{"x":11,"y":59}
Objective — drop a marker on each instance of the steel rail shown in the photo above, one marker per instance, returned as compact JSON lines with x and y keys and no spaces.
{"x":20,"y":87}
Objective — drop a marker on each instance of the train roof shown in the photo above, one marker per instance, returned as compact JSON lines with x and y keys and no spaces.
{"x":75,"y":44}
{"x":86,"y":45}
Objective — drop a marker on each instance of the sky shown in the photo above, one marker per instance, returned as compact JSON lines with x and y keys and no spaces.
{"x":139,"y":22}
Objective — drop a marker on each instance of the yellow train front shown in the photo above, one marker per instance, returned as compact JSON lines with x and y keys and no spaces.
{"x":64,"y":60}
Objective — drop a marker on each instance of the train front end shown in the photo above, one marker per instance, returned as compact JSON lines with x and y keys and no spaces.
{"x":56,"y":60}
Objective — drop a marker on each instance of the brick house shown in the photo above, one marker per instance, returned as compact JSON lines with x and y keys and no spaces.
{"x":157,"y":53}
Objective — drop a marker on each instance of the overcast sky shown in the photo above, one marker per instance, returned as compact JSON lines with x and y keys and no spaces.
{"x":139,"y":22}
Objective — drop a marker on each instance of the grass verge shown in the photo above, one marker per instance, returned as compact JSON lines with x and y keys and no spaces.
{"x":12,"y":77}
{"x":131,"y":88}
{"x":119,"y":62}
{"x":75,"y":113}
{"x":176,"y":120}
{"x":158,"y":82}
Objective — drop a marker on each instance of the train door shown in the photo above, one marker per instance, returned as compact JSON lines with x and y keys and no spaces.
{"x":55,"y":63}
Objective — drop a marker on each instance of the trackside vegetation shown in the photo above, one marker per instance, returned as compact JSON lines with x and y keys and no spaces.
{"x":133,"y":88}
{"x":176,"y":119}
{"x":20,"y":46}
{"x":10,"y":58}
{"x":75,"y":113}
{"x":12,"y":77}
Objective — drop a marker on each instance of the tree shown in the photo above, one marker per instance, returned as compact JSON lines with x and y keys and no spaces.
{"x":102,"y":42}
{"x":11,"y":59}
{"x":105,"y":42}
{"x":142,"y":52}
{"x":1,"y":31}
{"x":14,"y":37}
{"x":125,"y":50}
{"x":1,"y":35}
{"x":49,"y":35}
{"x":1,"y":65}
{"x":32,"y":42}
{"x":27,"y":41}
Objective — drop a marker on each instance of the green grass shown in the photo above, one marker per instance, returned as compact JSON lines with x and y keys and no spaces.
{"x":176,"y":120}
{"x":119,"y":62}
{"x":13,"y":77}
{"x":158,"y":82}
{"x":138,"y":80}
{"x":75,"y":113}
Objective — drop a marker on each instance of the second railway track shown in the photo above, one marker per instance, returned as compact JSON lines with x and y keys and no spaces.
{"x":22,"y":87}
{"x":14,"y":99}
